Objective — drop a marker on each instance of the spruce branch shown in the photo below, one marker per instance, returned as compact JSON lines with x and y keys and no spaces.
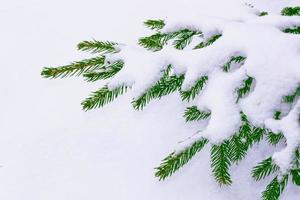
{"x":291,"y":11}
{"x":274,"y":138}
{"x":293,"y":30}
{"x":296,"y":176}
{"x":220,"y":163}
{"x":190,"y":94}
{"x":245,"y":89}
{"x":102,"y":97}
{"x":193,"y":114}
{"x":264,"y":169}
{"x":106,"y":73}
{"x":208,"y":42}
{"x":234,"y":59}
{"x":155,"y":24}
{"x":175,"y":161}
{"x":166,"y":85}
{"x":154,"y":42}
{"x":263,"y":14}
{"x":184,"y":38}
{"x":244,"y":139}
{"x":95,"y":46}
{"x":74,"y":69}
{"x":275,"y":188}
{"x":291,"y":98}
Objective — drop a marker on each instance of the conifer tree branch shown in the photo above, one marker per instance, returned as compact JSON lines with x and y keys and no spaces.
{"x":190,"y":94}
{"x":245,"y":89}
{"x":274,"y":138}
{"x":184,"y":38}
{"x":74,"y":69}
{"x":176,"y":160}
{"x":95,"y":46}
{"x":102,"y":97}
{"x":193,"y":114}
{"x":264,"y":169}
{"x":220,"y":163}
{"x":234,"y":59}
{"x":291,"y":11}
{"x":293,"y":30}
{"x":106,"y":73}
{"x":275,"y":188}
{"x":166,"y":85}
{"x":154,"y":24}
{"x":208,"y":42}
{"x":291,"y":98}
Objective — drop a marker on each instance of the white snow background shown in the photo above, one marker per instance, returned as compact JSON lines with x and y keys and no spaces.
{"x":52,"y":150}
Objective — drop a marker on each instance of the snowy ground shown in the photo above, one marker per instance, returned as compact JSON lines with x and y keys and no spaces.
{"x":51,"y":150}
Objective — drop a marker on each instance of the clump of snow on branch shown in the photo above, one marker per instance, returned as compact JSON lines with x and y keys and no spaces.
{"x":273,"y":60}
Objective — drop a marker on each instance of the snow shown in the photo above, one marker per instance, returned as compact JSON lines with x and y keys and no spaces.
{"x":50,"y":149}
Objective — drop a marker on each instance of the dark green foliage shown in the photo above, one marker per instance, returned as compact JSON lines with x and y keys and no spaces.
{"x":154,"y":42}
{"x":296,"y":176}
{"x":264,"y":169}
{"x":263,"y":14}
{"x":234,"y":59}
{"x":220,"y":163}
{"x":245,"y":89}
{"x":96,"y":46}
{"x":106,"y":73}
{"x":277,"y":115}
{"x":102,"y":97}
{"x":294,"y":30}
{"x":291,"y":11}
{"x":291,"y":98}
{"x":193,"y":114}
{"x":184,"y":38}
{"x":166,"y":85}
{"x":275,"y":188}
{"x":74,"y":69}
{"x":242,"y":141}
{"x":155,"y":24}
{"x":194,"y":90}
{"x":176,"y":160}
{"x":208,"y":42}
{"x":274,"y":138}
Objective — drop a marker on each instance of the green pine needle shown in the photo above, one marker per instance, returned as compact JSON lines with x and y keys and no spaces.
{"x":155,"y":24}
{"x":208,"y":42}
{"x":193,"y":114}
{"x":234,"y":59}
{"x":291,"y":98}
{"x":263,"y":14}
{"x":220,"y":163}
{"x":274,"y":138}
{"x":291,"y":11}
{"x":296,"y":176}
{"x":184,"y":38}
{"x":95,"y":46}
{"x":245,"y":89}
{"x":102,"y":97}
{"x":190,"y":94}
{"x":166,"y":85}
{"x":154,"y":42}
{"x":177,"y":160}
{"x":294,"y":30}
{"x":244,"y":139}
{"x":264,"y":169}
{"x":275,"y":188}
{"x":106,"y":73}
{"x":74,"y":69}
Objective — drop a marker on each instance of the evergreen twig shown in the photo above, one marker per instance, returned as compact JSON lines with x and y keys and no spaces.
{"x":74,"y":69}
{"x":176,"y":160}
{"x":102,"y":97}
